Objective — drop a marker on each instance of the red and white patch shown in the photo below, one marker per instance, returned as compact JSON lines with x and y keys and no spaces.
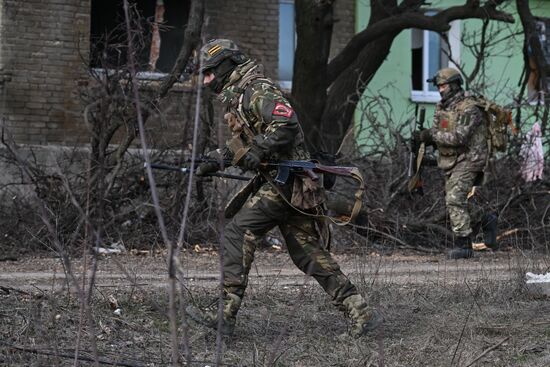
{"x":444,"y":124}
{"x":282,"y":110}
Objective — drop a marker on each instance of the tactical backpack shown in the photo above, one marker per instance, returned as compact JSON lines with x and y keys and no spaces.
{"x":498,"y":121}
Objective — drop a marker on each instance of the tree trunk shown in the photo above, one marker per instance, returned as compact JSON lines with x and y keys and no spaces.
{"x":347,"y":90}
{"x":314,"y":21}
{"x":325,"y":95}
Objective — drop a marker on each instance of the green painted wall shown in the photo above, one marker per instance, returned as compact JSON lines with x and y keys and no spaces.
{"x":392,"y":83}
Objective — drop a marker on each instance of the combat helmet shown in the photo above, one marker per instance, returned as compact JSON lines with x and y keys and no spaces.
{"x":446,"y":76}
{"x":215,"y":51}
{"x":221,"y":57}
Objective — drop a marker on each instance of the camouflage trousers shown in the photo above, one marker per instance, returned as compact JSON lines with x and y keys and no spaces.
{"x":262,"y":212}
{"x":464,"y":212}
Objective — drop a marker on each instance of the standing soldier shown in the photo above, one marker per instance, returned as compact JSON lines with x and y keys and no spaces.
{"x":459,"y":133}
{"x":265,"y":127}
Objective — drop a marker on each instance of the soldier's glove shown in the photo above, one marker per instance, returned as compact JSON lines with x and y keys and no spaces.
{"x":205,"y":168}
{"x":425,"y":136}
{"x":212,"y":166}
{"x":252,"y":159}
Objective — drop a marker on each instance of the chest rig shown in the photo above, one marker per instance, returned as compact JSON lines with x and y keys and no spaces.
{"x":449,"y":120}
{"x":244,"y":124}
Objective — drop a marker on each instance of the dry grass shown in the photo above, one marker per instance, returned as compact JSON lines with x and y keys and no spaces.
{"x":437,"y":313}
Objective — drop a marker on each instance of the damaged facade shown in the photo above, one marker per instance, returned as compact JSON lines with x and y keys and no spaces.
{"x":48,"y":50}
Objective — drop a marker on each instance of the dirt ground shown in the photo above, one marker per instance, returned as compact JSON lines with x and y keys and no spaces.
{"x":437,"y":313}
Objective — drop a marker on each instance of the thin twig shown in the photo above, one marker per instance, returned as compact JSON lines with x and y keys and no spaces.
{"x":487,"y":351}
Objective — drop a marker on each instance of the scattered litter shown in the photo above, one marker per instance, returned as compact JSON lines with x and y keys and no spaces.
{"x":538,"y":278}
{"x":480,"y":246}
{"x":273,"y":242}
{"x":113,"y":303}
{"x":118,"y":311}
{"x":115,"y":248}
{"x":538,"y":284}
{"x":140,"y":252}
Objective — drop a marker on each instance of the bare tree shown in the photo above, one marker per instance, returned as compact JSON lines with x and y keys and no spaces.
{"x":325,"y":91}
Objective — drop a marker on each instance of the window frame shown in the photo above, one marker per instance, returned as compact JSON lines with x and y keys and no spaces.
{"x":425,"y":95}
{"x":141,"y":74}
{"x":285,"y":83}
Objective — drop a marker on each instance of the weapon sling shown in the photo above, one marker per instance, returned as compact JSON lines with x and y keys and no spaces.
{"x":355,"y":174}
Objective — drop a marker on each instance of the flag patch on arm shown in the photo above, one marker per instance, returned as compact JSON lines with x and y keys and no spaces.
{"x":282,"y":110}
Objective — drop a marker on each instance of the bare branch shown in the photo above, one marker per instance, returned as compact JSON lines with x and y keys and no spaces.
{"x":413,"y":18}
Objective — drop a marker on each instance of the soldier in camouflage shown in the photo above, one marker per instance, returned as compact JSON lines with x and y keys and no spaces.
{"x":264,"y":126}
{"x":459,"y":133}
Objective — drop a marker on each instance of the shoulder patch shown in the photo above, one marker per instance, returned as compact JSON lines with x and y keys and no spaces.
{"x":282,"y":110}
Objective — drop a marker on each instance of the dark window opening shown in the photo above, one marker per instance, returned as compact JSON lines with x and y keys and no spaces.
{"x":429,"y":53}
{"x":108,"y":39}
{"x":417,"y":59}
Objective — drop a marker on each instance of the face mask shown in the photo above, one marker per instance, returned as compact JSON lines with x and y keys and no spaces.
{"x":453,"y":89}
{"x":221,"y":74}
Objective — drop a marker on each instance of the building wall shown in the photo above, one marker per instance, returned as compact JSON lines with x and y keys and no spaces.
{"x":254,"y":26}
{"x":39,"y":48}
{"x":44,"y":47}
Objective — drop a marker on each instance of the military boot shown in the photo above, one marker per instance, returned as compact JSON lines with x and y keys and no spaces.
{"x":208,"y":316}
{"x":363,"y":318}
{"x":489,"y":225}
{"x":463,"y":249}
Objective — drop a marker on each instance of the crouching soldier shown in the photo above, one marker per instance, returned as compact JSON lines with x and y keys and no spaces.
{"x":265,"y":127}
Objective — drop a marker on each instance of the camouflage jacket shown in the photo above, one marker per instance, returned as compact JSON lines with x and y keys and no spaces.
{"x":460,"y":132}
{"x":258,"y":114}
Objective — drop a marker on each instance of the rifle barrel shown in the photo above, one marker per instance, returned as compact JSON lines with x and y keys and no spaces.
{"x":166,"y":167}
{"x":187,"y":170}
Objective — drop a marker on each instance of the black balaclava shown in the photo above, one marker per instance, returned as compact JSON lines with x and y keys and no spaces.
{"x":221,"y":73}
{"x":454,"y":89}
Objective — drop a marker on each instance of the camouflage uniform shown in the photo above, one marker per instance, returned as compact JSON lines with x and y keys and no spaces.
{"x":460,"y":133}
{"x":270,"y":126}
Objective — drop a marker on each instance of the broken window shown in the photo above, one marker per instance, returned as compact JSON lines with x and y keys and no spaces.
{"x":534,"y":83}
{"x":162,"y":25}
{"x":429,"y":53}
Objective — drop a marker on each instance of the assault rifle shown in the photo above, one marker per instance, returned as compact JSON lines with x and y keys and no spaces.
{"x":284,"y":168}
{"x":417,"y":153}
